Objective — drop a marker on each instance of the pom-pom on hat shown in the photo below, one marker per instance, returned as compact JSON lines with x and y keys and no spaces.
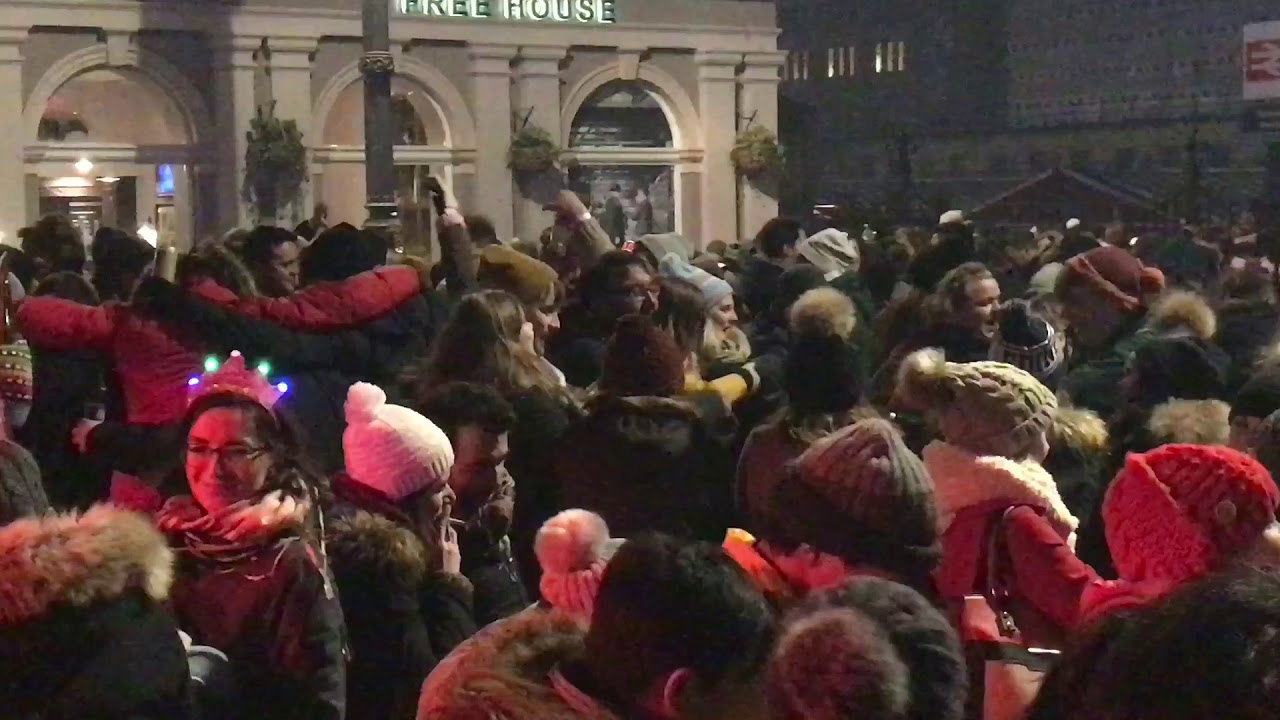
{"x":713,"y":289}
{"x":1114,"y":273}
{"x":1179,"y":511}
{"x":822,"y":371}
{"x":987,"y":408}
{"x":573,"y":549}
{"x":391,"y":449}
{"x":641,"y":360}
{"x":15,"y":372}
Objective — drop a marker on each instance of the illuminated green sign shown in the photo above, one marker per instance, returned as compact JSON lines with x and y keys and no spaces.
{"x":567,"y":11}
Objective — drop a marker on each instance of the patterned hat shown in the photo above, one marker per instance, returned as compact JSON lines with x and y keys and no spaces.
{"x":15,"y":372}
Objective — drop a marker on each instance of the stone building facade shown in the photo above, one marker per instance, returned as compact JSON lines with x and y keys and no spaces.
{"x":125,"y":112}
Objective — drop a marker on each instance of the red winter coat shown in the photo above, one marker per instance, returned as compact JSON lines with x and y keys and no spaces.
{"x":154,"y":361}
{"x":1046,"y":572}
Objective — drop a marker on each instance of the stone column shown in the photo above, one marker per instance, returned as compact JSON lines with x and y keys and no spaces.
{"x":758,"y":103}
{"x":491,"y":101}
{"x":236,"y":106}
{"x":184,"y":208}
{"x":538,"y":97}
{"x":291,"y":90}
{"x":13,"y":183}
{"x":717,"y":104}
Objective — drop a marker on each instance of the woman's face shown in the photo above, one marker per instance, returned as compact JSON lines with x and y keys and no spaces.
{"x":1090,"y":317}
{"x":982,"y":299}
{"x":226,"y":460}
{"x":724,"y":316}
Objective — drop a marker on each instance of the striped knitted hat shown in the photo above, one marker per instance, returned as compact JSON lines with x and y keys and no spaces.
{"x":987,"y":408}
{"x":15,"y":372}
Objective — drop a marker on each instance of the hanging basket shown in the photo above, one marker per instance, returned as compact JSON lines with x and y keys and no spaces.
{"x":532,"y":151}
{"x":756,"y":152}
{"x":275,"y":163}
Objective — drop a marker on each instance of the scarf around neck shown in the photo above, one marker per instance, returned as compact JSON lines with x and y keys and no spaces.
{"x":962,"y":480}
{"x":235,"y":532}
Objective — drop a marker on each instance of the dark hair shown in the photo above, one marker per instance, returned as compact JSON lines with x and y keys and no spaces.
{"x":607,"y":275}
{"x":53,"y":245}
{"x":481,"y":230}
{"x":952,"y":292}
{"x":776,"y":236}
{"x":1210,"y":650}
{"x":892,"y":637}
{"x":119,"y":259}
{"x":219,"y":264}
{"x":454,"y":406}
{"x":341,"y":252}
{"x":681,"y":313}
{"x":664,"y":605}
{"x":290,"y":472}
{"x":68,"y":286}
{"x":261,"y":243}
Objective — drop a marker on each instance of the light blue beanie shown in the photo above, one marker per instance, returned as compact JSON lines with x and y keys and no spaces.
{"x":713,"y":289}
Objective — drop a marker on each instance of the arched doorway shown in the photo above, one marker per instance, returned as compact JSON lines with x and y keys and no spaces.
{"x":622,"y":138}
{"x":112,"y":146}
{"x":422,"y":148}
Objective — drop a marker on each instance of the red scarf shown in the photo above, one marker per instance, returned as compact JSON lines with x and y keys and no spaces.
{"x":235,"y":532}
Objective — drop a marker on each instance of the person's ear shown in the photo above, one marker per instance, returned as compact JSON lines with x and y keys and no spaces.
{"x":672,"y":693}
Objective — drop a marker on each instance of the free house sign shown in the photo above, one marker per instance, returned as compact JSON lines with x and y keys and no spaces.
{"x":591,"y":12}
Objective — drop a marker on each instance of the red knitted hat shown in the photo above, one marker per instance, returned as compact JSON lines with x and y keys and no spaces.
{"x":1115,"y":273}
{"x":1176,"y":512}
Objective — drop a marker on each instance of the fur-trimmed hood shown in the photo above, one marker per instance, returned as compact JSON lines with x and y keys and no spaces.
{"x":504,"y":673}
{"x":1079,"y":429}
{"x":376,"y":547}
{"x":1190,"y":422}
{"x":79,"y":559}
{"x":663,"y":424}
{"x":962,"y":480}
{"x":1183,"y":312}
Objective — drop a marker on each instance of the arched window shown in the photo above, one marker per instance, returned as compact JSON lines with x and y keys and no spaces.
{"x":621,"y":114}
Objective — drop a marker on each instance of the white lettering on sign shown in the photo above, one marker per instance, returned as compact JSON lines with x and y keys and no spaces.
{"x":600,"y":12}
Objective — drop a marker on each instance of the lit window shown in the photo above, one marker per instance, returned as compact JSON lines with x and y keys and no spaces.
{"x":902,"y":56}
{"x":831,"y":62}
{"x":851,"y":65}
{"x":879,"y":57}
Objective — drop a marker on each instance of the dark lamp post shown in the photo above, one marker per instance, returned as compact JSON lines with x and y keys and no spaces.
{"x":378,"y":66}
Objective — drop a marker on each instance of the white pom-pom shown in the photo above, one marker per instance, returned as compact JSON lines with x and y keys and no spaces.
{"x":570,"y":541}
{"x":363,"y":402}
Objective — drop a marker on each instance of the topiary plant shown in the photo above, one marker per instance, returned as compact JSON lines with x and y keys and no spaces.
{"x":757,"y":152}
{"x":275,"y":164}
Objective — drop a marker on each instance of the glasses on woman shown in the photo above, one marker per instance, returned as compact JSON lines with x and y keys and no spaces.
{"x":231,"y":454}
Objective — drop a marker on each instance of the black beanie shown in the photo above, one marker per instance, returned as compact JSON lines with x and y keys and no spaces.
{"x":1182,"y":368}
{"x":823,"y":375}
{"x":341,"y":252}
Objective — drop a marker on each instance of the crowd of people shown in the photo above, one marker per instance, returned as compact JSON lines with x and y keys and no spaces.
{"x":925,"y":474}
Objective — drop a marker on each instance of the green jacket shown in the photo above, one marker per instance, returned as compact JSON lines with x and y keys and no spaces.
{"x":1094,"y":382}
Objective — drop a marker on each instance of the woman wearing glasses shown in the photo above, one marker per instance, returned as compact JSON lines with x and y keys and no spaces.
{"x":252,"y":576}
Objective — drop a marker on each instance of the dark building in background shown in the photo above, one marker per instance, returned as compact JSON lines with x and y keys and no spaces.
{"x":867,"y":82}
{"x":974,"y":97}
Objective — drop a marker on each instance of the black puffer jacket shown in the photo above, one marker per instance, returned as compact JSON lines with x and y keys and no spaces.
{"x":401,"y":617}
{"x":648,"y":463}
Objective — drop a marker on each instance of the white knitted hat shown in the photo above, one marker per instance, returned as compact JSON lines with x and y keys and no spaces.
{"x":573,"y":549}
{"x":392,"y":449}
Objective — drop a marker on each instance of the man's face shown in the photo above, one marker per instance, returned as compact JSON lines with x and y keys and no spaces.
{"x":286,"y":266}
{"x":477,"y":454}
{"x":638,"y":293}
{"x":982,"y":299}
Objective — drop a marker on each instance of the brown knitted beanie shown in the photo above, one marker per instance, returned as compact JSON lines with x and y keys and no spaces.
{"x":861,"y":494}
{"x":642,"y":361}
{"x":987,"y":408}
{"x":529,"y":279}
